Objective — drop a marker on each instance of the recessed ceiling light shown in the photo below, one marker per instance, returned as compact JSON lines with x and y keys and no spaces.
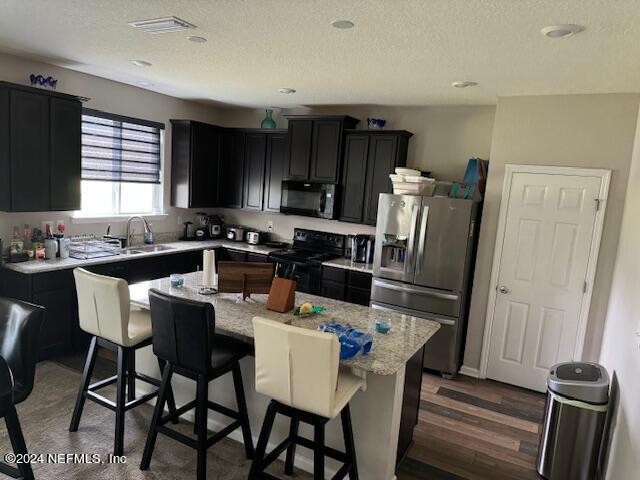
{"x":196,"y":39}
{"x":141,"y":63}
{"x":561,"y":31}
{"x":145,"y":84}
{"x":157,"y":26}
{"x":342,"y":24}
{"x":463,"y":84}
{"x":287,"y":91}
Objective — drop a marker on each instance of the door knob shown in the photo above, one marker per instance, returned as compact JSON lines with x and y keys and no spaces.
{"x":503,"y":289}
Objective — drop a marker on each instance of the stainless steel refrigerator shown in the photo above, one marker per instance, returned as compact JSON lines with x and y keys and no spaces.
{"x":423,"y":266}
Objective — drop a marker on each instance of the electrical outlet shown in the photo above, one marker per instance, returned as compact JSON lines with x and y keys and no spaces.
{"x":638,"y":338}
{"x":270,"y":226}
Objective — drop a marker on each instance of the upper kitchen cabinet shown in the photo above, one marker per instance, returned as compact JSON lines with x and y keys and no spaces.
{"x":255,"y":151}
{"x":370,"y":156}
{"x":40,"y":153}
{"x":264,"y":163}
{"x":276,"y":165}
{"x":232,"y":169}
{"x":315,"y":147}
{"x":195,"y":161}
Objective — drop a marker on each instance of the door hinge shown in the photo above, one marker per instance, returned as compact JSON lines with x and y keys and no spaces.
{"x":598,"y":202}
{"x":584,"y":287}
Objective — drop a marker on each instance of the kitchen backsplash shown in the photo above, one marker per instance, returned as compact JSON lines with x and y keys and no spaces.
{"x":169,"y":228}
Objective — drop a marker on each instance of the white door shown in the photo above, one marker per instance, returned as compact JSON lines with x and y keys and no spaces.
{"x":548,"y":233}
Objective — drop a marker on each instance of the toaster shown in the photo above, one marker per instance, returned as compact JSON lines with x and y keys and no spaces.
{"x":235,"y":233}
{"x":256,"y":237}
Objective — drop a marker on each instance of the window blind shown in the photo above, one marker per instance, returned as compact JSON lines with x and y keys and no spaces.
{"x":120,"y":149}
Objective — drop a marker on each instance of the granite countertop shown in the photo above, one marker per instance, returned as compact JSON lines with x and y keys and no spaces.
{"x":389,"y":353}
{"x":40,"y":266}
{"x":348,"y":264}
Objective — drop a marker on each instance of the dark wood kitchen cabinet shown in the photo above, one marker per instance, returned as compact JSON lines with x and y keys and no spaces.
{"x":195,"y":163}
{"x":346,"y":285}
{"x":255,"y":151}
{"x":315,"y":147}
{"x":40,"y":153}
{"x":66,"y":144}
{"x":370,"y":156}
{"x":232,"y":169}
{"x":275,"y":170}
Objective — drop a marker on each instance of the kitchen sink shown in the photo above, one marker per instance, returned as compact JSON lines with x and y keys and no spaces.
{"x":145,"y":249}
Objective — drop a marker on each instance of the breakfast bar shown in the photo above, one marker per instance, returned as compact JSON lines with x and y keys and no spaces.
{"x":376,"y":411}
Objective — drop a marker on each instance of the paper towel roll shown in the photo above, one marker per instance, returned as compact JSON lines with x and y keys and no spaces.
{"x":209,"y":268}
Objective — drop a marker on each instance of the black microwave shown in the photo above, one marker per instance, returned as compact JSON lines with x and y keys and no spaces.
{"x":310,"y":199}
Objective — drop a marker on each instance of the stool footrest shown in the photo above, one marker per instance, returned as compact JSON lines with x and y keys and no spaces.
{"x":328,"y":451}
{"x":103,"y":383}
{"x":179,"y":412}
{"x":111,"y":405}
{"x":216,"y":407}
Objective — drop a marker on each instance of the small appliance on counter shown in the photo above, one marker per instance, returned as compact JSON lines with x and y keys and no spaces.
{"x":235,"y":233}
{"x":216,"y":223}
{"x":257,"y":237}
{"x":362,"y":248}
{"x":189,"y":231}
{"x":202,"y":230}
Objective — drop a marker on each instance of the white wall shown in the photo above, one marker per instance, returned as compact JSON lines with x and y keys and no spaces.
{"x":620,"y":352}
{"x":594,"y":131}
{"x":111,"y":97}
{"x":444,"y":139}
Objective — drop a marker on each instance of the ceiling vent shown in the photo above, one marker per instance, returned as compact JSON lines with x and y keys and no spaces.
{"x":157,"y":26}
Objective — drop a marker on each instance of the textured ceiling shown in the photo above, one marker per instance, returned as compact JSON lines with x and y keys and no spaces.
{"x":401,"y":52}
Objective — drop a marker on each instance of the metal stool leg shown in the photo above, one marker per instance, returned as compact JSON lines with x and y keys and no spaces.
{"x":318,"y":451}
{"x":291,"y":449}
{"x":349,"y":444}
{"x":265,"y":433}
{"x":120,"y":403}
{"x":84,"y":384}
{"x":157,"y":414}
{"x":17,"y":441}
{"x":242,"y":409}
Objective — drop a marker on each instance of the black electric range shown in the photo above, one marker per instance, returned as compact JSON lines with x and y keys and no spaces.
{"x":303,"y":260}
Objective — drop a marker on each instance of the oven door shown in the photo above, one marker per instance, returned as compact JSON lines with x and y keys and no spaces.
{"x":309,"y":199}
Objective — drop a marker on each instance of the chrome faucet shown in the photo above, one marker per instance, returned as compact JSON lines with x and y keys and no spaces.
{"x":147,"y":229}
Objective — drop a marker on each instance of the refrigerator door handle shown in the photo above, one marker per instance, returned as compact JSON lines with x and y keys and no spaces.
{"x":411,"y":241}
{"x":422,"y":239}
{"x":413,"y":313}
{"x":419,"y":291}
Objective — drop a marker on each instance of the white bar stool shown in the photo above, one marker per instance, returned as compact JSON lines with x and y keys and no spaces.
{"x":299,"y":369}
{"x":104,"y":311}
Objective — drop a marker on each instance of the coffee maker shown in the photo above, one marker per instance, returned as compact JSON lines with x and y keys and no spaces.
{"x":362,"y":248}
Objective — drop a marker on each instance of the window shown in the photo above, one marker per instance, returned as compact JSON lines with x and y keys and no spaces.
{"x":121,"y":165}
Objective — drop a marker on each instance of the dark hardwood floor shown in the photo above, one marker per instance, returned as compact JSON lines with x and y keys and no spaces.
{"x":474,"y":429}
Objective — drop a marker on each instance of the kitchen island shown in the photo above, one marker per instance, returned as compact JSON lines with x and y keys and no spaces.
{"x":376,"y":411}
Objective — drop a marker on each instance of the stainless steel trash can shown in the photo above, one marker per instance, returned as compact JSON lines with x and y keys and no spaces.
{"x":577,"y":401}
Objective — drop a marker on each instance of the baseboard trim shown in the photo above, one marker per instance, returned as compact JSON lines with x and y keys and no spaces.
{"x":469,"y":372}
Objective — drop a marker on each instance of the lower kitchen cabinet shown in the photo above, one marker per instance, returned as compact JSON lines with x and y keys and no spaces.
{"x":346,"y":285}
{"x":61,"y":333}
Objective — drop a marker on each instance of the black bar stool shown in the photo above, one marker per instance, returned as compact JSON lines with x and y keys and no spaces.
{"x":20,"y":324}
{"x":105,"y":312}
{"x":299,"y":369}
{"x":183,"y":337}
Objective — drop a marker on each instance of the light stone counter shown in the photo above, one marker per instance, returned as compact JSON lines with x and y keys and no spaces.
{"x":40,"y":266}
{"x":348,"y":264}
{"x":376,"y":411}
{"x":390,"y":351}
